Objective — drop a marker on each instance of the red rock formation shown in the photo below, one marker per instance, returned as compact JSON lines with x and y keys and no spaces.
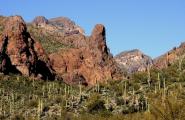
{"x":87,"y":60}
{"x":20,"y":53}
{"x":89,"y":63}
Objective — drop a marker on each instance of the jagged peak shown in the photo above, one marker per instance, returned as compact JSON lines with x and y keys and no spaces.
{"x":99,"y":29}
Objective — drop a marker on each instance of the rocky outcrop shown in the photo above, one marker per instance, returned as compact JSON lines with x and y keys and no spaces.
{"x":170,"y":57}
{"x":20,"y":53}
{"x":89,"y":62}
{"x":133,"y":61}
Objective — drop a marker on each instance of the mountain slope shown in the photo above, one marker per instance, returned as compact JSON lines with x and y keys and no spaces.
{"x":170,"y":57}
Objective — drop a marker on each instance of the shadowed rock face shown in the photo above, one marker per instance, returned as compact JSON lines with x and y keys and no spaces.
{"x":90,"y":61}
{"x":19,"y":53}
{"x":133,"y":61}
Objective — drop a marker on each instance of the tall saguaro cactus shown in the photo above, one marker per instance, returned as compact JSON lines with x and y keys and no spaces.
{"x":159,"y":81}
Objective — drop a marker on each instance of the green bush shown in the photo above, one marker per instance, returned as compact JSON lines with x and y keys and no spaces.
{"x":95,"y":104}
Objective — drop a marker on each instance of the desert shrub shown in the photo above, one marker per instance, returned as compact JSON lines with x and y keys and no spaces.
{"x":95,"y":104}
{"x":171,"y":109}
{"x":140,"y":77}
{"x":32,"y":104}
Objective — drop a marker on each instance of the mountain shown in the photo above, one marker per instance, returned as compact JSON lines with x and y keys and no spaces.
{"x":170,"y":57}
{"x":133,"y":61}
{"x":51,"y":47}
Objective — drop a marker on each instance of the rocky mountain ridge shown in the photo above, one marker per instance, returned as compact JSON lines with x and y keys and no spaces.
{"x":86,"y":61}
{"x":136,"y":61}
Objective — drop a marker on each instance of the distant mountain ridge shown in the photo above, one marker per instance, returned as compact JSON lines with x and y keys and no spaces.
{"x":60,"y":24}
{"x":133,"y":61}
{"x":136,"y":61}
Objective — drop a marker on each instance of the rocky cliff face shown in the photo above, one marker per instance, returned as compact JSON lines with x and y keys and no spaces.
{"x":20,"y":53}
{"x":133,"y":61}
{"x":89,"y":62}
{"x":170,"y":57}
{"x":81,"y":59}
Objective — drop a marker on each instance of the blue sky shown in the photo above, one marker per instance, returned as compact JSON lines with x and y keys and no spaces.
{"x":153,"y":26}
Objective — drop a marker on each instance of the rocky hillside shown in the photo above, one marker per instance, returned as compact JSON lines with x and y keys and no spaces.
{"x":73,"y":56}
{"x":163,"y":61}
{"x":55,"y":33}
{"x":133,"y":61}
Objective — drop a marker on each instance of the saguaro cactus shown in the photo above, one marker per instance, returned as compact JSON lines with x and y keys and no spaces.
{"x":159,"y":81}
{"x":164,"y":88}
{"x":149,"y":76}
